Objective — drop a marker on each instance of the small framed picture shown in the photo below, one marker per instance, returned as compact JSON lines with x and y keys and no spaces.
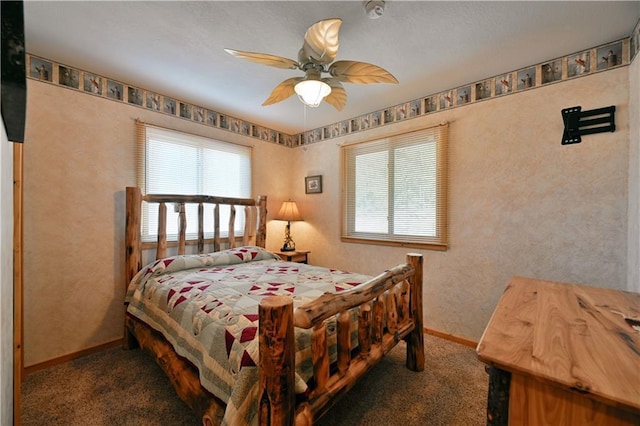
{"x":313,"y":184}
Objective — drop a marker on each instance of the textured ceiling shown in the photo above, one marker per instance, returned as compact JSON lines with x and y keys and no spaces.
{"x":176,"y":48}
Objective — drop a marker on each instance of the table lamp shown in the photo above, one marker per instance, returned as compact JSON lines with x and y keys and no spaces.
{"x":288,"y":212}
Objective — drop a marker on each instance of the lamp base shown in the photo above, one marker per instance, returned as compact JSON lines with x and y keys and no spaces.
{"x":288,"y":244}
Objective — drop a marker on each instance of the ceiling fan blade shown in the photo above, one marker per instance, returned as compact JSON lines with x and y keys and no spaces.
{"x":338,"y":96}
{"x":265,"y":59}
{"x":321,"y":42}
{"x":283,"y":91}
{"x":360,"y":73}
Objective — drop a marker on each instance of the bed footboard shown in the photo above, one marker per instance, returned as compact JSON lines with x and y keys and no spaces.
{"x":390,"y":307}
{"x":182,"y":374}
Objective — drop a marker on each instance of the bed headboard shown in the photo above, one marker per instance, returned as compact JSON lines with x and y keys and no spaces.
{"x":255,"y":224}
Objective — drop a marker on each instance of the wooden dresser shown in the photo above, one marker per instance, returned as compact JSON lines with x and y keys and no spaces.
{"x":563,"y":354}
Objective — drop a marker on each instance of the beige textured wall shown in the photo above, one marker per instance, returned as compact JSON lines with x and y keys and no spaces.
{"x":520,"y":202}
{"x":633,"y":276}
{"x":79,"y":159}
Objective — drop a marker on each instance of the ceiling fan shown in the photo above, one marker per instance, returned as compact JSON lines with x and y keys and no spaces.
{"x":318,"y":51}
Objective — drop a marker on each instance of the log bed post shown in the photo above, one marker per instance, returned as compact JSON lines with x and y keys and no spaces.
{"x":133,"y":249}
{"x":161,"y":250}
{"x":132,"y":228}
{"x":262,"y":221}
{"x":277,"y":361}
{"x":415,"y":339}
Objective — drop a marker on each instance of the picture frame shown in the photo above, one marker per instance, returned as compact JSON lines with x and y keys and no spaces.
{"x":313,"y":184}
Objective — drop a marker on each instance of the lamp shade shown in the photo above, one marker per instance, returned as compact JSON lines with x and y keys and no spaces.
{"x":289,"y":212}
{"x":312,"y":92}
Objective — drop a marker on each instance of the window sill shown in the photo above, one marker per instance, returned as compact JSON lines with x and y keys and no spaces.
{"x":424,"y":246}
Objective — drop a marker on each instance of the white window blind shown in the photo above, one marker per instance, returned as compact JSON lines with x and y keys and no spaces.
{"x":395,"y":189}
{"x":171,"y":162}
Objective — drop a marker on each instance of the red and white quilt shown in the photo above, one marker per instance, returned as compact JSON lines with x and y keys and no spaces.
{"x":206,"y":306}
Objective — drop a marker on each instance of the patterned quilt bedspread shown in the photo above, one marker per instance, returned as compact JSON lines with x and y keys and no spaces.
{"x":206,"y":306}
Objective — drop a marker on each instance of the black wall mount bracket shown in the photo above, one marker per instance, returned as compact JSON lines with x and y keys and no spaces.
{"x":578,"y":123}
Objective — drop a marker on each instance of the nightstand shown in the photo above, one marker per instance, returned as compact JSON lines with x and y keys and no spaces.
{"x":294,"y":256}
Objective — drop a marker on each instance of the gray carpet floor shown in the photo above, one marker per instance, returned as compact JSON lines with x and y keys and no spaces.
{"x":118,"y":387}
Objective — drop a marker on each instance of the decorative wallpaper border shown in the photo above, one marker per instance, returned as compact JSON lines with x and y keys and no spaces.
{"x":93,"y":84}
{"x":589,"y":61}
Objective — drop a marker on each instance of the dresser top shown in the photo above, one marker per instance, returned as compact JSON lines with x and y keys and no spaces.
{"x":575,"y":336}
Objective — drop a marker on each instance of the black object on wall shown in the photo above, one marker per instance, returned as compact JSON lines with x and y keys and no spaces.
{"x":577,"y":122}
{"x":13,"y":83}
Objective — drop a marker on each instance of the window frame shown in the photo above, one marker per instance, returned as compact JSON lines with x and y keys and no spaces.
{"x":195,"y":141}
{"x":348,"y":234}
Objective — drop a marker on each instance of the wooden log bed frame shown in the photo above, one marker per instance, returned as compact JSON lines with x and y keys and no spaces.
{"x":390,"y":307}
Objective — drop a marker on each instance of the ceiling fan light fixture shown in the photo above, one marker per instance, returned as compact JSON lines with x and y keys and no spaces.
{"x":312,"y":92}
{"x":317,"y":56}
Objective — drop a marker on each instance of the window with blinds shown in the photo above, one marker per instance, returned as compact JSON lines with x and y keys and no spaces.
{"x":395,"y":190}
{"x":171,"y":162}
